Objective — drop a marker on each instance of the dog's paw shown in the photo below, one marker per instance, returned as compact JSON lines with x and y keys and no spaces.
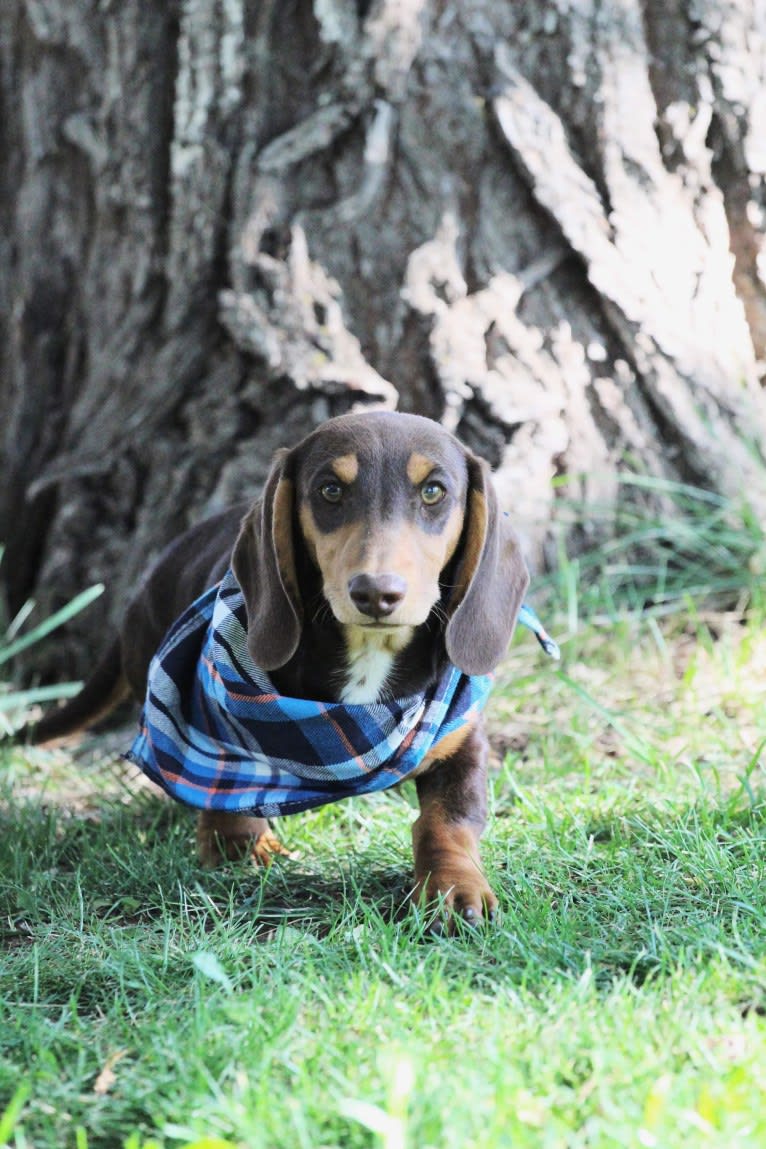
{"x":236,"y":837}
{"x":217,"y":848}
{"x":447,"y":898}
{"x":265,"y":848}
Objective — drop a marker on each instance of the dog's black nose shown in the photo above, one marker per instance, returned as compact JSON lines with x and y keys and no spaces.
{"x":377,"y":595}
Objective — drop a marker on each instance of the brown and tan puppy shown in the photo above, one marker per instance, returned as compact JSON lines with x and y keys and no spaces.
{"x":376,"y":555}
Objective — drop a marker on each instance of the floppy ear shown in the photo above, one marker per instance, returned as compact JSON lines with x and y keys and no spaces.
{"x":491,"y":580}
{"x":263,"y":562}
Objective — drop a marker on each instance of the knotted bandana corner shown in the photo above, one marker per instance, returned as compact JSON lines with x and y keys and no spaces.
{"x":529,"y":619}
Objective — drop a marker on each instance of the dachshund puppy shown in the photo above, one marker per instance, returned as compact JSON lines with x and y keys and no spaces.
{"x":331,"y":639}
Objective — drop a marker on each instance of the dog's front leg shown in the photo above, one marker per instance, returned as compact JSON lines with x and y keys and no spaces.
{"x":453,"y":813}
{"x":226,"y":837}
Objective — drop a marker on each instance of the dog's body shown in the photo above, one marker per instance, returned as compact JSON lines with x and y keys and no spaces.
{"x":376,"y":556}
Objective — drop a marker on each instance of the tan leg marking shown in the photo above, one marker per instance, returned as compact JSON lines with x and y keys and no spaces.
{"x":448,"y":871}
{"x":449,"y":878}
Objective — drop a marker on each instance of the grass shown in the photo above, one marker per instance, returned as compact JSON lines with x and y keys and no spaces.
{"x":14,"y":639}
{"x":621,"y":1000}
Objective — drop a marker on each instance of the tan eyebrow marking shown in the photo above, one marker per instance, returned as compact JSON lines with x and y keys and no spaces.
{"x":419,"y":467}
{"x":346,"y":467}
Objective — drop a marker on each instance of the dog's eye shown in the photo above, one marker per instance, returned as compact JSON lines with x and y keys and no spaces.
{"x":432,"y":493}
{"x":331,"y":492}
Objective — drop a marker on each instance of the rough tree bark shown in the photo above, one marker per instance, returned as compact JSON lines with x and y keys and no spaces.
{"x":225,"y":220}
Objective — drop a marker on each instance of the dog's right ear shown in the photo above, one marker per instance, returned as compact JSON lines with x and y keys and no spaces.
{"x":263,"y":562}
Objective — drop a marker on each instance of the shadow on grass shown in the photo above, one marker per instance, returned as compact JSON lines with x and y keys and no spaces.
{"x":633,"y":896}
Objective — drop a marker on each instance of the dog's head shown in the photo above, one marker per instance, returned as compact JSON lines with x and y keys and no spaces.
{"x":400,"y":520}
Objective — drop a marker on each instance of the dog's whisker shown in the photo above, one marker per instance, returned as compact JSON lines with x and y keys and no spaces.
{"x":322,"y":613}
{"x":440,"y":614}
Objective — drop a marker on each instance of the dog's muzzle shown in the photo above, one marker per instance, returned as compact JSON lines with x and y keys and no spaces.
{"x":377,"y":596}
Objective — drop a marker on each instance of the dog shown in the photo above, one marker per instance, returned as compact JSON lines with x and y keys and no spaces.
{"x":376,"y":562}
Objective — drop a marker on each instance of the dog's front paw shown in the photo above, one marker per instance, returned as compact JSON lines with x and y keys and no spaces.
{"x":447,"y":896}
{"x":449,"y":879}
{"x":267,"y":847}
{"x":233,"y":837}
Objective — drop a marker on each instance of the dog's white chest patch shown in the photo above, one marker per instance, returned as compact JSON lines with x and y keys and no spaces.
{"x":371,"y":655}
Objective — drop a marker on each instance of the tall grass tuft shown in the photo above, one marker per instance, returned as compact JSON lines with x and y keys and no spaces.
{"x":667,"y":546}
{"x":15,"y":639}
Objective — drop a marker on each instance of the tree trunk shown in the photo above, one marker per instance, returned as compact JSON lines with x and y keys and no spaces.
{"x":224,"y":221}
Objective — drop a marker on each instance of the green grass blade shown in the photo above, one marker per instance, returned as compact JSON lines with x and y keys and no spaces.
{"x":10,"y":1115}
{"x":58,"y":618}
{"x":21,"y":699}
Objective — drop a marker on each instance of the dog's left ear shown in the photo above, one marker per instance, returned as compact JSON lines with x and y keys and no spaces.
{"x":263,"y":562}
{"x":491,"y":580}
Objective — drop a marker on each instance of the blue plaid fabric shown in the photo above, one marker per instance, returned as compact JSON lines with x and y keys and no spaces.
{"x":216,"y":735}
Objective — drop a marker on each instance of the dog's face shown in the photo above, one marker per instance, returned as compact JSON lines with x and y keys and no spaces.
{"x":381,"y":505}
{"x":382,"y":502}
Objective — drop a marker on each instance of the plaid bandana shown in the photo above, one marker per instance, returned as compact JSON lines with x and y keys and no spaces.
{"x":216,"y":735}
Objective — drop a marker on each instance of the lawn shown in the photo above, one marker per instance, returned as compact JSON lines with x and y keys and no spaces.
{"x":619,"y":1001}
